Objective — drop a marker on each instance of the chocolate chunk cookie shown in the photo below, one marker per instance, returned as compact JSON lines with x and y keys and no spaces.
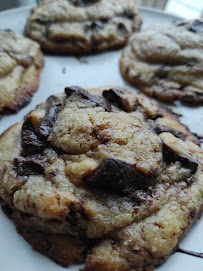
{"x":21,"y":62}
{"x":166,"y":61}
{"x":92,"y":163}
{"x":82,"y":26}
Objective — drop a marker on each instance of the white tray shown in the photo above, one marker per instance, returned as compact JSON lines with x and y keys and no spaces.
{"x":102,"y":69}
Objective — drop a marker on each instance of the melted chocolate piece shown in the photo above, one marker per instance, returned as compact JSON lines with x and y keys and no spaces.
{"x":163,"y":71}
{"x":121,"y":27}
{"x":94,"y":26}
{"x":160,"y":129}
{"x":26,"y":167}
{"x":170,"y":155}
{"x":114,"y":96}
{"x":49,"y":119}
{"x":86,"y":95}
{"x":178,"y":22}
{"x":75,"y":218}
{"x":30,"y":141}
{"x":197,"y":26}
{"x":119,"y":177}
{"x":192,"y":253}
{"x":159,"y":114}
{"x":128,"y":14}
{"x":85,"y":3}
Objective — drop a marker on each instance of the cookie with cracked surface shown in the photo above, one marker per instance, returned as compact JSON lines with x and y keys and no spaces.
{"x":21,"y":62}
{"x":82,"y":26}
{"x":166,"y":61}
{"x":97,"y":162}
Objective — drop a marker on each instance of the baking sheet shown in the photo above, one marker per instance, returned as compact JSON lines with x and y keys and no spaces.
{"x":90,"y":71}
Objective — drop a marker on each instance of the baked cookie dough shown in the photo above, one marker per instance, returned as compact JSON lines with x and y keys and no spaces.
{"x":166,"y":61}
{"x":108,"y":175}
{"x":82,"y":26}
{"x":21,"y":62}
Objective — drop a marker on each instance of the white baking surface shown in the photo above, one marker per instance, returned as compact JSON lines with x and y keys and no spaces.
{"x":102,"y":69}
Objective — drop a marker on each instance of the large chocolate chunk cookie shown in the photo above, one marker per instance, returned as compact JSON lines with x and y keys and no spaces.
{"x":88,"y":164}
{"x":166,"y":61}
{"x":82,"y":26}
{"x":21,"y":62}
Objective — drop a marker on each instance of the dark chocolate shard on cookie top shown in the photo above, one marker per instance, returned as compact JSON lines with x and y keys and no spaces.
{"x":30,"y":141}
{"x":158,"y":129}
{"x":196,"y":26}
{"x":118,"y":99}
{"x":170,"y":155}
{"x":49,"y":119}
{"x":27,"y":167}
{"x":86,"y":95}
{"x":118,"y":176}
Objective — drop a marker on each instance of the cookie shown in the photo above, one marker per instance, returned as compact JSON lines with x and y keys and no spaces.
{"x":166,"y":61}
{"x":88,"y":164}
{"x":20,"y":67}
{"x":82,"y":26}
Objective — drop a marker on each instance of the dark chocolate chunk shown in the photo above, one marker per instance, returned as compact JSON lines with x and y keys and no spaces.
{"x":49,"y":119}
{"x":163,"y":71}
{"x":178,"y":22}
{"x":53,"y":100}
{"x":121,"y":27}
{"x":118,"y":176}
{"x":197,"y":26}
{"x":128,"y":14}
{"x":160,"y":129}
{"x":76,"y":219}
{"x":30,"y":141}
{"x":94,"y":26}
{"x":199,"y":138}
{"x":116,"y":97}
{"x":26,"y":167}
{"x":192,"y":214}
{"x":86,"y":95}
{"x":84,"y":3}
{"x":159,"y":114}
{"x":170,"y":155}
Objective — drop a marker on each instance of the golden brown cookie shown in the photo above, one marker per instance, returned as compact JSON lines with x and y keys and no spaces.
{"x":82,"y":26}
{"x":166,"y":61}
{"x":21,"y":62}
{"x":102,"y":162}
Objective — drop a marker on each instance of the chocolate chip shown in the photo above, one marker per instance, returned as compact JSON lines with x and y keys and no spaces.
{"x":85,"y":3}
{"x":163,"y":71}
{"x":121,"y":27}
{"x":160,"y":129}
{"x":192,"y":214}
{"x":94,"y":26}
{"x":53,"y":100}
{"x":128,"y":14}
{"x":116,"y":97}
{"x":49,"y":119}
{"x":159,"y":114}
{"x":197,"y":26}
{"x":30,"y":141}
{"x":76,"y":219}
{"x":86,"y":95}
{"x":170,"y":155}
{"x":26,"y":167}
{"x":118,"y":176}
{"x":178,"y":22}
